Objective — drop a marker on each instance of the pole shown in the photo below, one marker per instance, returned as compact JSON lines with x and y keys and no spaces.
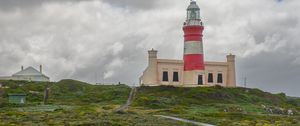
{"x":245,"y":82}
{"x":46,"y":95}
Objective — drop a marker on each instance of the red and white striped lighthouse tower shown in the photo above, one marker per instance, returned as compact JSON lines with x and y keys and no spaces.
{"x":193,"y":46}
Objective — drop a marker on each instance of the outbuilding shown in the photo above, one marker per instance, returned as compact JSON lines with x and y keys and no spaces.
{"x":17,"y":98}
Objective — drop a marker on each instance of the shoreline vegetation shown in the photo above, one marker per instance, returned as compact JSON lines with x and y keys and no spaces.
{"x":72,"y":102}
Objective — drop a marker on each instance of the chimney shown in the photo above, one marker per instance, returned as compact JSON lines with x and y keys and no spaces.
{"x":41,"y":68}
{"x":152,"y":56}
{"x":152,"y":53}
{"x":230,"y":58}
{"x":22,"y":68}
{"x":231,"y":76}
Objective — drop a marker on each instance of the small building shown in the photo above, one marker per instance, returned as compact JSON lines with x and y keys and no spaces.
{"x":28,"y":74}
{"x":171,"y":72}
{"x":17,"y":98}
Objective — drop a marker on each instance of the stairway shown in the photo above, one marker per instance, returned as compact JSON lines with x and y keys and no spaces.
{"x":129,"y":101}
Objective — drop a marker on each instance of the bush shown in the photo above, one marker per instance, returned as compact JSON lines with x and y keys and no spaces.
{"x":218,"y":86}
{"x":178,"y":110}
{"x":107,"y":107}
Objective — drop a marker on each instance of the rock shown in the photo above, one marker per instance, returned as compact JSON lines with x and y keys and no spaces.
{"x":290,"y":112}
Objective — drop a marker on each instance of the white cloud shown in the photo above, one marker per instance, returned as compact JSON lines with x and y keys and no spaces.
{"x":113,"y":67}
{"x":116,"y":48}
{"x":108,"y":74}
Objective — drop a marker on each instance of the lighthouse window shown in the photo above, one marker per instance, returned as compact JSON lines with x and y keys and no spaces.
{"x":165,"y":76}
{"x":175,"y":77}
{"x":210,"y":78}
{"x":220,"y":78}
{"x":193,"y":14}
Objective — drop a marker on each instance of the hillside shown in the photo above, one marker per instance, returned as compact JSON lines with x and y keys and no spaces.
{"x":69,"y":92}
{"x":159,"y":97}
{"x":220,"y":106}
{"x":77,"y":103}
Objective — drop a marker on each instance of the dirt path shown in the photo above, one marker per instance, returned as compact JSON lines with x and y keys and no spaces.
{"x":184,"y":120}
{"x":129,"y":100}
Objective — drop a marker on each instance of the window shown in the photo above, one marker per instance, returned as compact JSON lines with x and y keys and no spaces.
{"x":200,"y":80}
{"x":193,"y":14}
{"x":165,"y":76}
{"x":175,"y":77}
{"x":220,"y":78}
{"x":210,"y":78}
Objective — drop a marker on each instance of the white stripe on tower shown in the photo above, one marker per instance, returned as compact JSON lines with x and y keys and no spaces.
{"x":193,"y":47}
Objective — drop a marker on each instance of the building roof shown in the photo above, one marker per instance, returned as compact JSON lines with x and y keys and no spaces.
{"x":170,"y":61}
{"x":29,"y":71}
{"x":17,"y":94}
{"x":213,"y":63}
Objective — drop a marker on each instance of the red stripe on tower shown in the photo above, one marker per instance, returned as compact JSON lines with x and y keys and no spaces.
{"x":193,"y":62}
{"x":193,"y":47}
{"x":193,"y":33}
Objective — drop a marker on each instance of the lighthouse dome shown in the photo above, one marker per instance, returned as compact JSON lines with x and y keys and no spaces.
{"x":193,"y":6}
{"x":193,"y":12}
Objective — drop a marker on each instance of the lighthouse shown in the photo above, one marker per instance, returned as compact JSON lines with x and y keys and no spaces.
{"x":193,"y":46}
{"x":191,"y":70}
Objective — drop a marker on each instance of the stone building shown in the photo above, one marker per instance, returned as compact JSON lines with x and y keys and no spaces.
{"x":192,"y":71}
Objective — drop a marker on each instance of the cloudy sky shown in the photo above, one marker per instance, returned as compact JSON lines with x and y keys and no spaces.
{"x":107,"y":40}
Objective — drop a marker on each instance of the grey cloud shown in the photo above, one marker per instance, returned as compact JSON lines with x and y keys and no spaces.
{"x":29,"y":4}
{"x":271,"y":71}
{"x":12,"y":4}
{"x":8,"y":5}
{"x":263,"y":35}
{"x":134,"y":4}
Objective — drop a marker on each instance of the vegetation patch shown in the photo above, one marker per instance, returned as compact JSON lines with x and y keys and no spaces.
{"x":76,"y":103}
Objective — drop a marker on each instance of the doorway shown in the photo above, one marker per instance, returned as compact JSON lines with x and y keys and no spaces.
{"x":200,"y":80}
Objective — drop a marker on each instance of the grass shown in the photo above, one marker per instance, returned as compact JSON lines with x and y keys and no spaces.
{"x":82,"y":115}
{"x":77,"y":103}
{"x":160,"y":97}
{"x":217,"y":105}
{"x":69,"y":92}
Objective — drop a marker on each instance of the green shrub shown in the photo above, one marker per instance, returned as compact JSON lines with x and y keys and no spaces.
{"x":107,"y":107}
{"x":177,"y":110}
